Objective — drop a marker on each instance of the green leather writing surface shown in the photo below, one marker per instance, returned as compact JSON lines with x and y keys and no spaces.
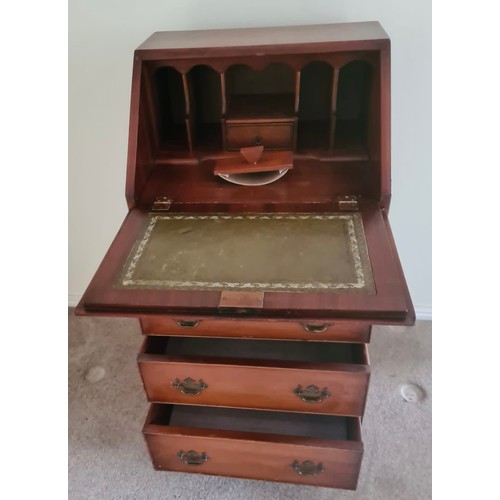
{"x":270,"y":252}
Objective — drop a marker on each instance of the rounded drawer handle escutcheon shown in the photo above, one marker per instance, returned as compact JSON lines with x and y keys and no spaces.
{"x":307,"y":468}
{"x":192,"y":457}
{"x":187,"y":323}
{"x":312,"y":393}
{"x":189,"y":386}
{"x":311,"y":328}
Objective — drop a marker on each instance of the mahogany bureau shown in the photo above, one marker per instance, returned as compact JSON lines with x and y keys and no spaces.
{"x":257,"y":252}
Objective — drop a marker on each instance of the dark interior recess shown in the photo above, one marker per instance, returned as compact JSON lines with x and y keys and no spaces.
{"x":352,"y":104}
{"x":334,"y":149}
{"x":315,"y":105}
{"x":266,"y":422}
{"x":205,"y":96}
{"x":265,"y":93}
{"x":171,"y":109}
{"x":256,"y":349}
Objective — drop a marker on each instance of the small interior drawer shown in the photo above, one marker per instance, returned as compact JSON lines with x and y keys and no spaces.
{"x":298,"y":448}
{"x":316,"y":330}
{"x":271,"y":135}
{"x":326,"y":378}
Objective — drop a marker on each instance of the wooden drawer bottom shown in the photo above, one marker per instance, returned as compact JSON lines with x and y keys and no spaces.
{"x":274,"y":446}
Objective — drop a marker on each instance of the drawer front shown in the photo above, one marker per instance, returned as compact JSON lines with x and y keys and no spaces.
{"x":290,"y":459}
{"x":324,"y":388}
{"x":274,"y":135}
{"x":294,"y":330}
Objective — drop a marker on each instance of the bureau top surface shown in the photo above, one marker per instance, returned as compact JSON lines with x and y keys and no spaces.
{"x":270,"y":36}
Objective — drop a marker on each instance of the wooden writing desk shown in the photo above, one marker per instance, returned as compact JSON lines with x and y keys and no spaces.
{"x":256,"y":301}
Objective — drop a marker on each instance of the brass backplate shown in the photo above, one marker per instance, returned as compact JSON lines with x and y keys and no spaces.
{"x":253,"y":300}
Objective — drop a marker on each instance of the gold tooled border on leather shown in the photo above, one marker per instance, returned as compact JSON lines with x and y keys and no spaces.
{"x":355,"y":236}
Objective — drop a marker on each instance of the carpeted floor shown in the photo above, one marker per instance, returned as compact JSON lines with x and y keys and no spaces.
{"x":108,"y":457}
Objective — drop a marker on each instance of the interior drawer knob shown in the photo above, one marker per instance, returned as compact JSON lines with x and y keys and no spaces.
{"x":307,"y":468}
{"x":312,"y":328}
{"x":189,"y":386}
{"x":312,"y":393}
{"x":192,"y":457}
{"x":258,"y":140}
{"x":187,"y":323}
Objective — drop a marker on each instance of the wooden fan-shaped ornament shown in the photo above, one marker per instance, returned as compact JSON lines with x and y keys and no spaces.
{"x":252,"y":154}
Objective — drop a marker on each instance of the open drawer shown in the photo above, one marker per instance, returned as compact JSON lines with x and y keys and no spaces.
{"x":265,"y":265}
{"x":311,"y":377}
{"x":306,"y":449}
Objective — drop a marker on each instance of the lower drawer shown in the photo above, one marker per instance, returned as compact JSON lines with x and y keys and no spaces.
{"x":305,"y":449}
{"x":292,"y":376}
{"x":246,"y":328}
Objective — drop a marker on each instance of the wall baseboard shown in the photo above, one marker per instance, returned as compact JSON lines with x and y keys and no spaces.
{"x":423,"y":312}
{"x":73,"y":299}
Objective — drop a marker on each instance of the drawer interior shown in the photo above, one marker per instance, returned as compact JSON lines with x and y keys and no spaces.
{"x":257,"y":349}
{"x":266,"y":422}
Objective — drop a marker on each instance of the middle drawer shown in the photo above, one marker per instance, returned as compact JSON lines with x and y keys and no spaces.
{"x":327,"y":378}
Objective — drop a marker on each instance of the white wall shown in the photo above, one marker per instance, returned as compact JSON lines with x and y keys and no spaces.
{"x":102,"y":38}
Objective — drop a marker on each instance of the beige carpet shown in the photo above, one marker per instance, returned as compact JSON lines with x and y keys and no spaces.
{"x":108,"y":458}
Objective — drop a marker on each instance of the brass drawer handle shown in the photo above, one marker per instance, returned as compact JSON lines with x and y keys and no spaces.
{"x":311,"y":328}
{"x":312,"y":393}
{"x":189,"y":386}
{"x":307,"y":468}
{"x":192,"y":457}
{"x":188,"y":323}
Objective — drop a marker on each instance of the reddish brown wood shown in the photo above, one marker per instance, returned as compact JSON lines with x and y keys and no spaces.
{"x":150,"y":106}
{"x":385,"y":126}
{"x":271,"y":134}
{"x":136,"y":166}
{"x":333,"y":116}
{"x":337,"y":56}
{"x":174,"y":144}
{"x":275,"y":40}
{"x":269,"y":161}
{"x":297,"y":92}
{"x":256,"y":455}
{"x":312,"y":186}
{"x":390,"y":303}
{"x":256,"y":382}
{"x":252,"y":154}
{"x":259,"y":329}
{"x":296,"y":61}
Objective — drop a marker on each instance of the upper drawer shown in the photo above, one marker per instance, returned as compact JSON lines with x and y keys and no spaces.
{"x":257,"y":329}
{"x":305,"y":449}
{"x":272,"y":135}
{"x":273,"y":375}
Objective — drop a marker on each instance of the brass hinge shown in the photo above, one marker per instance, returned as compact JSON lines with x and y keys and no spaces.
{"x":348,"y":202}
{"x":162,"y":204}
